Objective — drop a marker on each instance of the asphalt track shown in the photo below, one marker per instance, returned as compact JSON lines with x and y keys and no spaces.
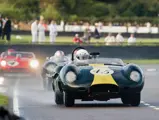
{"x":31,"y":101}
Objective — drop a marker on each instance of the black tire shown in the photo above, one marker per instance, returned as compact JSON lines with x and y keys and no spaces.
{"x":47,"y":84}
{"x":44,"y":84}
{"x":59,"y":98}
{"x":53,"y":85}
{"x":125,"y":98}
{"x":135,"y":99}
{"x":69,"y":101}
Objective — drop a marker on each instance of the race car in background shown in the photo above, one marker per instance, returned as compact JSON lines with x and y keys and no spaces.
{"x":18,"y":62}
{"x":89,"y":77}
{"x":49,"y":66}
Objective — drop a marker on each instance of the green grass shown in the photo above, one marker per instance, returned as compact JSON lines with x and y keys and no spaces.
{"x":143,"y":61}
{"x":26,"y":39}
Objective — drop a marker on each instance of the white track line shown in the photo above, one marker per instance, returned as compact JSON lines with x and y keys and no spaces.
{"x":150,"y":106}
{"x":15,"y":99}
{"x":156,"y":108}
{"x":151,"y":70}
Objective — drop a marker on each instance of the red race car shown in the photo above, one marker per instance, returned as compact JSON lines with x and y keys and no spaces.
{"x":18,"y":62}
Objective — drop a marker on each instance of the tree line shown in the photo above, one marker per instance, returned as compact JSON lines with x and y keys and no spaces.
{"x":86,"y":10}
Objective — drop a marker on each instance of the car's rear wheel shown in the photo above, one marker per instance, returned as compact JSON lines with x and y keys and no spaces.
{"x":69,"y":101}
{"x":135,"y":99}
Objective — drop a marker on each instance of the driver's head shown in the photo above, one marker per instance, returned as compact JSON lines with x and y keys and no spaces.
{"x":59,"y":55}
{"x":9,"y":51}
{"x":82,"y":54}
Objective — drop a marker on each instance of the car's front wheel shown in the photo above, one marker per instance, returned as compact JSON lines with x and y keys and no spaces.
{"x":135,"y":99}
{"x":58,"y":97}
{"x":47,"y":83}
{"x":125,"y":99}
{"x":132,"y":99}
{"x":69,"y":101}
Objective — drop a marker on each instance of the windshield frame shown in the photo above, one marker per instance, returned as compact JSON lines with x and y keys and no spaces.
{"x":23,"y":54}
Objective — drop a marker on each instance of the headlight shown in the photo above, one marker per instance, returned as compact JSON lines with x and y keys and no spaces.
{"x":34,"y":63}
{"x":135,"y":76}
{"x":71,"y":77}
{"x":3,"y":63}
{"x":1,"y":80}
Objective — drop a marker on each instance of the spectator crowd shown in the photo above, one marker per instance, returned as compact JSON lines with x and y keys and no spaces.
{"x":38,"y":28}
{"x":110,"y":39}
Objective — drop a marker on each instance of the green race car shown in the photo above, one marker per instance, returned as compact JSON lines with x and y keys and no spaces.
{"x":97,"y":79}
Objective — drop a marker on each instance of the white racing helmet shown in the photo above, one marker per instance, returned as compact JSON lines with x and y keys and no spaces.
{"x":58,"y":56}
{"x":81,"y":55}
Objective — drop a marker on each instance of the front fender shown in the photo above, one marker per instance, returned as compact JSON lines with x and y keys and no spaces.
{"x":133,"y":67}
{"x":66,"y":69}
{"x":44,"y":70}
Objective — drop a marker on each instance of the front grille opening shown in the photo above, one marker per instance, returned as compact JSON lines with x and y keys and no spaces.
{"x":104,"y":88}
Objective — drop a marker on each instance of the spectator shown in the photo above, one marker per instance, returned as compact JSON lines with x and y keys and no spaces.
{"x":7,"y":29}
{"x":107,"y":38}
{"x":34,"y":30}
{"x":53,"y":31}
{"x":1,"y":25}
{"x":100,"y":24}
{"x":148,"y":25}
{"x":62,"y":23}
{"x":76,"y":39}
{"x":110,"y":40}
{"x":45,"y":25}
{"x":119,"y":39}
{"x":87,"y":35}
{"x":131,"y":40}
{"x":96,"y":33}
{"x":41,"y":30}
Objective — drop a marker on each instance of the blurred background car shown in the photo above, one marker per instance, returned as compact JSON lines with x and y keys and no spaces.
{"x":18,"y":62}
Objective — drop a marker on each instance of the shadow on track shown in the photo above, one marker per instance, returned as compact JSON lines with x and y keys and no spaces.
{"x":99,"y":105}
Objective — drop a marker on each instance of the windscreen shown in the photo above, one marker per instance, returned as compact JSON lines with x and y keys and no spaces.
{"x":22,"y":54}
{"x":106,"y":61}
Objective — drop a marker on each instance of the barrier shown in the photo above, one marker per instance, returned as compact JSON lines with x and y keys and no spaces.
{"x":124,"y":52}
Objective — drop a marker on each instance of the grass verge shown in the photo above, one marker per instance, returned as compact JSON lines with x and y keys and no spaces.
{"x":26,"y":39}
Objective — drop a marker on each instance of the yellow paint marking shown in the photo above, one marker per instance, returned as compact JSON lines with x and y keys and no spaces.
{"x":102,"y":79}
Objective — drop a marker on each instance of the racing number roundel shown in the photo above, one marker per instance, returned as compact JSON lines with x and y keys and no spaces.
{"x":101,"y":71}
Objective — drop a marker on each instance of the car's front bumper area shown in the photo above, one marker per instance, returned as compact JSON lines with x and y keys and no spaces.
{"x":102,"y":92}
{"x":17,"y":71}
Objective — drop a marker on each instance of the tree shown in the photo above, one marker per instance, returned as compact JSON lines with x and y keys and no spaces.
{"x":10,"y":11}
{"x":99,"y":10}
{"x":27,"y":9}
{"x":50,"y":13}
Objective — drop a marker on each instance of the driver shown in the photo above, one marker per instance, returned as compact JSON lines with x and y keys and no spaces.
{"x":9,"y":51}
{"x":81,"y":56}
{"x":58,"y":56}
